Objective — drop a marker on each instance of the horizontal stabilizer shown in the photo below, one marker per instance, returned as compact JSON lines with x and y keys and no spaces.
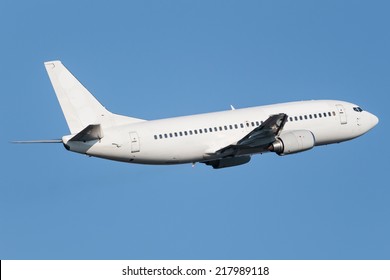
{"x":91,"y":132}
{"x":38,"y":141}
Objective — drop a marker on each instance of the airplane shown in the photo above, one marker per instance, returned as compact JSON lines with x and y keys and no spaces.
{"x":219,"y":139}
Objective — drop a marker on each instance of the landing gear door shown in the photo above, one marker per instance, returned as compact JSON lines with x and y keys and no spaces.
{"x":342,"y":113}
{"x":134,"y":141}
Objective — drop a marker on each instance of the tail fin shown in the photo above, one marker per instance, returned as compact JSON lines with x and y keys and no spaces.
{"x":79,"y":106}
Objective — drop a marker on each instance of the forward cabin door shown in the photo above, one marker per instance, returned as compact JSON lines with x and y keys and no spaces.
{"x":342,"y":114}
{"x":134,"y":140}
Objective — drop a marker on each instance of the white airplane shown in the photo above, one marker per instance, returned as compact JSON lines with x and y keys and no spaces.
{"x":220,"y":139}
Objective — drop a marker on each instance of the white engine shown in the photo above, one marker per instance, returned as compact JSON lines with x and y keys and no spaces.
{"x":293,"y":142}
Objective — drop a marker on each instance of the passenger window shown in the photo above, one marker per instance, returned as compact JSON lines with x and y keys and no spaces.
{"x":305,"y":117}
{"x":235,"y":126}
{"x":257,"y":123}
{"x":170,"y":135}
{"x":215,"y":129}
{"x":185,"y":133}
{"x":300,"y":117}
{"x":230,"y":126}
{"x":155,"y":137}
{"x":315,"y":116}
{"x":242,"y":125}
{"x":225,"y":127}
{"x":200,"y":131}
{"x":181,"y":133}
{"x":247,"y":124}
{"x":329,"y":114}
{"x":319,"y":115}
{"x":195,"y":131}
{"x":220,"y":128}
{"x":166,"y":135}
{"x":296,"y":118}
{"x":334,"y":113}
{"x":160,"y":136}
{"x":310,"y":116}
{"x":175,"y":134}
{"x":291,"y":119}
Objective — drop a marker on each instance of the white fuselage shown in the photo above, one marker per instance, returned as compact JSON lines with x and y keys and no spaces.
{"x":195,"y":138}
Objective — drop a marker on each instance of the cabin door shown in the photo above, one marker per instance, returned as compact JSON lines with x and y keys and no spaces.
{"x":342,"y":114}
{"x":134,"y":141}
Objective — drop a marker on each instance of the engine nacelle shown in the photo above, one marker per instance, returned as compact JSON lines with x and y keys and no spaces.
{"x":293,"y":142}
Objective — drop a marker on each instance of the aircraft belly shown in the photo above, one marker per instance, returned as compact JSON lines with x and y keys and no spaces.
{"x":333,"y":134}
{"x":112,"y":152}
{"x":170,"y":154}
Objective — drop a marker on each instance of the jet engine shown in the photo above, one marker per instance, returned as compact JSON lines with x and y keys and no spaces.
{"x":293,"y":142}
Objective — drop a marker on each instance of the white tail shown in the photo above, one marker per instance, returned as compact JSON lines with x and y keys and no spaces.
{"x":79,"y":106}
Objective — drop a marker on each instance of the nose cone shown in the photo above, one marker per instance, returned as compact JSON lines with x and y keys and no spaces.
{"x":373,"y":120}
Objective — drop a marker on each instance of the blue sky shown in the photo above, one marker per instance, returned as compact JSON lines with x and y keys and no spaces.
{"x":156,"y":59}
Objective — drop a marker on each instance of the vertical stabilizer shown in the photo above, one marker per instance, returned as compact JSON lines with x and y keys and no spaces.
{"x":79,"y":106}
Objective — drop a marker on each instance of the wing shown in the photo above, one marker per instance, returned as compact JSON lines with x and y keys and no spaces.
{"x":258,"y":140}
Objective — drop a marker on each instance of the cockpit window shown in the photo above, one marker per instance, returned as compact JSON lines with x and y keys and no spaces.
{"x":358,"y":109}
